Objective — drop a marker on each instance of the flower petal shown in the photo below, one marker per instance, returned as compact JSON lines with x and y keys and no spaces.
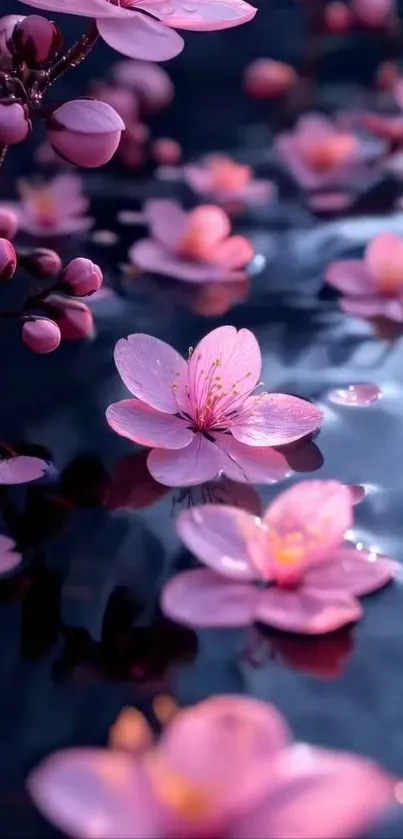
{"x":22,"y":469}
{"x":95,"y":794}
{"x":200,"y":461}
{"x":202,"y":598}
{"x":309,"y":611}
{"x":234,"y":252}
{"x":390,"y":308}
{"x":167,"y":221}
{"x":350,"y":276}
{"x":152,"y":257}
{"x":149,"y":367}
{"x":216,"y":535}
{"x":86,"y":8}
{"x":354,"y":572}
{"x":200,"y":15}
{"x":384,"y":260}
{"x":143,"y":424}
{"x":276,"y":419}
{"x":251,"y":464}
{"x":9,"y":558}
{"x":141,"y":37}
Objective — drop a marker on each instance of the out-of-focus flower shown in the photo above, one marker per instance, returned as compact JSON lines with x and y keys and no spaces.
{"x":289,"y":569}
{"x":387,"y":127}
{"x":320,"y":154}
{"x":35,"y":40}
{"x":268,"y":79}
{"x":52,"y":208}
{"x":132,"y":152}
{"x":82,"y":277}
{"x":8,"y":223}
{"x":121,"y":99}
{"x":150,"y":83}
{"x":387,"y":76}
{"x":46,"y":156}
{"x":195,"y":247}
{"x":373,"y":285}
{"x":227,"y":182}
{"x":373,"y":13}
{"x":15,"y":124}
{"x":166,"y":151}
{"x":152,"y":36}
{"x":8,"y":260}
{"x":73,"y":317}
{"x":85,"y":132}
{"x":202,"y":417}
{"x":10,"y":559}
{"x":337,"y":18}
{"x":226,"y":767}
{"x":41,"y":335}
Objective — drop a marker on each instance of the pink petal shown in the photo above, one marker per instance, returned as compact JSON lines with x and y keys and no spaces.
{"x":87,"y":8}
{"x":259,"y":191}
{"x":149,"y":367}
{"x":354,"y":572}
{"x":234,"y":252}
{"x":373,"y":306}
{"x":329,"y":202}
{"x":167,"y":220}
{"x":200,"y":461}
{"x":22,"y":469}
{"x":9,"y":558}
{"x":95,"y":794}
{"x":202,"y":598}
{"x":216,"y":535}
{"x":201,"y":15}
{"x":384,"y":256}
{"x":199,"y":178}
{"x":350,"y":276}
{"x":251,"y":465}
{"x":143,"y":424}
{"x":276,"y":419}
{"x":318,"y":794}
{"x":309,"y":611}
{"x":138,"y":36}
{"x":152,"y":257}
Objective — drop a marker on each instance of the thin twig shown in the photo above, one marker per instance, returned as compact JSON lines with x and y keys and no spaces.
{"x":75,"y":56}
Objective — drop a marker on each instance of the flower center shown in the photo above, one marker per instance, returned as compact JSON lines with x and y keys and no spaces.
{"x":41,"y":203}
{"x":327,"y":154}
{"x":174,"y":791}
{"x":228,"y":176}
{"x":390,"y":279}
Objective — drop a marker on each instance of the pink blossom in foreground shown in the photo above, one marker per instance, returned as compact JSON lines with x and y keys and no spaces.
{"x":52,"y":208}
{"x":21,"y":469}
{"x":10,"y":559}
{"x":151,"y":36}
{"x":319,"y":153}
{"x":225,"y":768}
{"x":222,"y":179}
{"x":202,"y":417}
{"x":194,"y":246}
{"x":288,"y":569}
{"x":373,"y":285}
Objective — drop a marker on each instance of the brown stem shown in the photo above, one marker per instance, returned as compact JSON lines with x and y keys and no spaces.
{"x":75,"y":56}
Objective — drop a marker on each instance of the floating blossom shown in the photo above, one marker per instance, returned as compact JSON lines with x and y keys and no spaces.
{"x":372,"y":286}
{"x":222,"y":179}
{"x":52,"y":208}
{"x":195,"y":247}
{"x":289,"y":569}
{"x":203,"y":417}
{"x":226,"y":767}
{"x":122,"y":24}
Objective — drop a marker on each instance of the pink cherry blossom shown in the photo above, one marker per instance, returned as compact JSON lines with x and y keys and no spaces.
{"x":10,"y":559}
{"x":372,"y":286}
{"x":195,"y":247}
{"x":225,"y":768}
{"x":21,"y":469}
{"x":288,"y":569}
{"x":202,"y":417}
{"x":222,"y":179}
{"x":52,"y":208}
{"x":151,"y":36}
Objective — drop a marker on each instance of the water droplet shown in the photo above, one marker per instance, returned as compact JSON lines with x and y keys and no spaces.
{"x":360,"y":394}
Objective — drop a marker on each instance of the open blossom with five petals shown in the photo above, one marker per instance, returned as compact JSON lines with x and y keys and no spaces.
{"x":225,"y":768}
{"x":53,"y":208}
{"x":372,"y":286}
{"x":145,"y":29}
{"x":202,"y":417}
{"x":227,"y":182}
{"x":195,"y":247}
{"x":288,"y":569}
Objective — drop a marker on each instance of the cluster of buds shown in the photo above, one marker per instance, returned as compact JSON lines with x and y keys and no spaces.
{"x":85,"y":132}
{"x":51,"y":311}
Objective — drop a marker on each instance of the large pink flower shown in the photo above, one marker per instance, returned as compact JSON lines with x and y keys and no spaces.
{"x":195,"y":247}
{"x":53,"y":208}
{"x":372,"y":286}
{"x":227,"y":182}
{"x":202,"y":417}
{"x":225,"y":768}
{"x":149,"y":36}
{"x":288,"y":569}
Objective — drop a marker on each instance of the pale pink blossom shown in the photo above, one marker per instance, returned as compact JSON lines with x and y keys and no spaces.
{"x":289,"y":569}
{"x":227,"y":768}
{"x":194,"y":246}
{"x":372,"y":286}
{"x":152,"y":36}
{"x":223,"y":180}
{"x":202,"y":417}
{"x":52,"y":208}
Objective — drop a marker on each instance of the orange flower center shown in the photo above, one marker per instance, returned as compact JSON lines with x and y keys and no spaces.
{"x":228,"y":176}
{"x":328,"y":154}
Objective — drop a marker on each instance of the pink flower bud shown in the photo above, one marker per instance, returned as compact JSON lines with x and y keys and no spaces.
{"x":40,"y":262}
{"x":14,"y":123}
{"x":82,"y":277}
{"x":266,"y":79}
{"x":41,"y":335}
{"x":8,"y":260}
{"x":7,"y":25}
{"x":85,"y":132}
{"x":8,"y":223}
{"x":166,"y":152}
{"x":73,"y":317}
{"x":35,"y":40}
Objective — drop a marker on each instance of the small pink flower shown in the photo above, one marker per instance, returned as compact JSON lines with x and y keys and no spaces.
{"x":166,"y":151}
{"x":52,"y":208}
{"x":373,"y":285}
{"x":10,"y":559}
{"x":225,"y":181}
{"x":195,"y":247}
{"x":151,"y":36}
{"x":320,"y":154}
{"x":202,"y":417}
{"x":225,"y":768}
{"x":289,"y":569}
